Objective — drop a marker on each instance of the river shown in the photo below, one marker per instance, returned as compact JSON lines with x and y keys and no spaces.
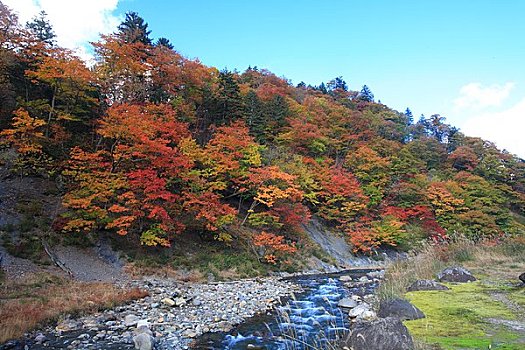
{"x":309,"y":320}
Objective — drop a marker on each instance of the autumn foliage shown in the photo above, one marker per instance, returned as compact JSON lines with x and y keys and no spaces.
{"x":150,"y":145}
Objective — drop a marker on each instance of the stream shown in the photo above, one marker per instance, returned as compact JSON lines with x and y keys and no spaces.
{"x":306,"y":321}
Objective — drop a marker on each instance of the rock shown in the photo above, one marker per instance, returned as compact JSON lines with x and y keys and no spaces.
{"x":168,"y":302}
{"x":40,"y":338}
{"x":376,"y":274}
{"x":345,"y":278}
{"x":426,"y":285}
{"x":130,"y":320}
{"x":401,"y":309}
{"x":142,"y":323}
{"x":522,"y":277}
{"x":143,"y":341}
{"x":180,"y":302}
{"x":367,"y":315}
{"x":189,"y":333}
{"x":67,"y":325}
{"x":196,"y":302}
{"x":381,"y":334}
{"x":355,"y":297}
{"x":142,"y":329}
{"x":364,"y":279}
{"x":255,"y":347}
{"x":358,"y":310}
{"x":455,"y":274}
{"x":347,"y":303}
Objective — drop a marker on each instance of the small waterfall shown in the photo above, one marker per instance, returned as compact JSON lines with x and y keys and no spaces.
{"x":307,"y":321}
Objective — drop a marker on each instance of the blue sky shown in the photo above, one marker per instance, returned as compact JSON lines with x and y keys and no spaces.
{"x":463,"y":59}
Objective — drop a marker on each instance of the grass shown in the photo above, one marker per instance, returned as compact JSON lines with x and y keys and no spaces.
{"x":456,"y":318}
{"x":459,"y":318}
{"x":42,"y":299}
{"x":199,"y":264}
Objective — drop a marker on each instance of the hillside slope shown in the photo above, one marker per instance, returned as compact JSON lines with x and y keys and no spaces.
{"x":150,"y":145}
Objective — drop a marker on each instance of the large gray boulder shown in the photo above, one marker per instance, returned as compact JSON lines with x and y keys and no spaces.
{"x":382,"y":334}
{"x":399,"y":308}
{"x":426,"y":285}
{"x":455,"y":274}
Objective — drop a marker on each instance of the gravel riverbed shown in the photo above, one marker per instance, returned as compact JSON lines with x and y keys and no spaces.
{"x":173,"y":315}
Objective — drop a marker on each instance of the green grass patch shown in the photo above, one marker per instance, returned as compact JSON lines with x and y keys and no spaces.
{"x":214,"y":262}
{"x":456,"y":319}
{"x":517,"y":295}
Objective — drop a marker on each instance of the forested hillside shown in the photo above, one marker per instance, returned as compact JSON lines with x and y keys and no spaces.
{"x":150,"y":144}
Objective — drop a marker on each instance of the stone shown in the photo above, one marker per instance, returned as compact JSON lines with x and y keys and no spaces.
{"x":345,"y":278}
{"x":367,"y":315}
{"x":364,"y":279}
{"x":358,"y":310}
{"x":40,"y":338}
{"x":168,"y":302}
{"x":255,"y":347}
{"x":401,"y":309}
{"x":381,"y":334}
{"x":189,"y":333}
{"x":426,"y":285}
{"x":142,"y":323}
{"x":67,"y":325}
{"x":522,"y":277}
{"x":142,"y":329}
{"x":143,"y":341}
{"x":180,"y":302}
{"x":455,"y":274}
{"x":347,"y":303}
{"x":376,"y":274}
{"x":130,"y":320}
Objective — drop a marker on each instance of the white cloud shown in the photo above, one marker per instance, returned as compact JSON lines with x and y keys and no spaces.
{"x":75,"y":22}
{"x":505,"y":128}
{"x":475,"y":95}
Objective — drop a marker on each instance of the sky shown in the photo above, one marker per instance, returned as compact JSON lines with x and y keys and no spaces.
{"x":462,"y":59}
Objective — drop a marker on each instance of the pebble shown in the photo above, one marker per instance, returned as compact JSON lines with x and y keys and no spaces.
{"x":168,"y":302}
{"x":130,"y":320}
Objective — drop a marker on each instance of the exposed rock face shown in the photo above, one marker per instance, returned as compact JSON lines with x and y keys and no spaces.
{"x":522,"y":277}
{"x":456,"y":274}
{"x":426,"y":285}
{"x":381,"y":334}
{"x":401,"y":309}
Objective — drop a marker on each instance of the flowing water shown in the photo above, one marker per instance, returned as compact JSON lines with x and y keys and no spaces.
{"x":310,"y":320}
